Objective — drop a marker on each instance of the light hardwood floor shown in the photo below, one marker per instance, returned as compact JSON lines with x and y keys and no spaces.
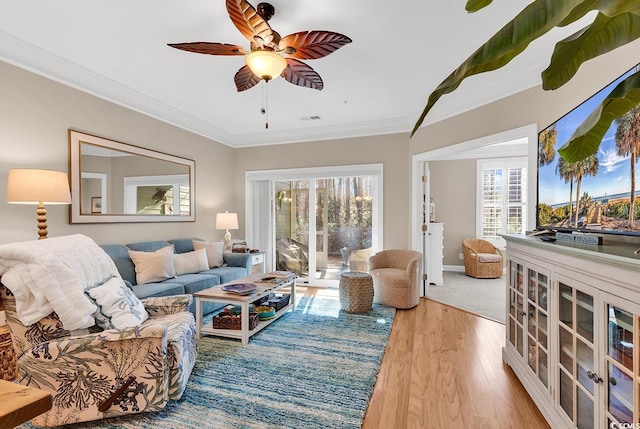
{"x":443,"y":369}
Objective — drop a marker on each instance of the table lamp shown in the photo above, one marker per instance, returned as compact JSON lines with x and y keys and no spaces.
{"x":227,"y":221}
{"x":31,"y":186}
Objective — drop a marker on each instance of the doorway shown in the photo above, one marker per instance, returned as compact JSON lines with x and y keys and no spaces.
{"x":512,"y":143}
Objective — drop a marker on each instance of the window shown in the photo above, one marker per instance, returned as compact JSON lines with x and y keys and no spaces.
{"x":502,"y":201}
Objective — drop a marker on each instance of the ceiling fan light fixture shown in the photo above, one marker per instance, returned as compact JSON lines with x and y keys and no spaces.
{"x":266,"y":64}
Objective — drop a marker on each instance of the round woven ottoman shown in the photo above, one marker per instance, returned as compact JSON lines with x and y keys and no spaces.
{"x":356,"y":292}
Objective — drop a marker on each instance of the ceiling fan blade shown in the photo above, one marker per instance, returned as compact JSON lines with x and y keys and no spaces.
{"x":245,"y":79}
{"x":298,"y":73}
{"x":210,"y":48}
{"x":251,"y":25}
{"x":311,"y":45}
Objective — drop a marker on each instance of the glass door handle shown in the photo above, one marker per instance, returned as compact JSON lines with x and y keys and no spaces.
{"x":592,"y":375}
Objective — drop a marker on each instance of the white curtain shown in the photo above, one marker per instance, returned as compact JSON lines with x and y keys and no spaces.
{"x":260,"y":221}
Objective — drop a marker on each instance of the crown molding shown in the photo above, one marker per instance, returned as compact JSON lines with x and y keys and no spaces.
{"x":27,"y":56}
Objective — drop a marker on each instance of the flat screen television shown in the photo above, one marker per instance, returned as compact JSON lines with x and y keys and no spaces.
{"x":593,"y":195}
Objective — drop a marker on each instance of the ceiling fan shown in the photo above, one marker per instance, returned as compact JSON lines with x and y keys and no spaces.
{"x":270,"y":55}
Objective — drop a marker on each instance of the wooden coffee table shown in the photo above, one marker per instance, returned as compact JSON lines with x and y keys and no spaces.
{"x":216,"y":294}
{"x":21,"y":403}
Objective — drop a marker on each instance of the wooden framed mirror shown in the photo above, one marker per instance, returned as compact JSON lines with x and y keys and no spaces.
{"x":118,"y":182}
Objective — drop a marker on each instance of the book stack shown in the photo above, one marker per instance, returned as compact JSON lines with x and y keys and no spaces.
{"x":286,"y":275}
{"x":277,"y":277}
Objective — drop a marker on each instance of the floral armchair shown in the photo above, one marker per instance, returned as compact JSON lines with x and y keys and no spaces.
{"x":94,"y":374}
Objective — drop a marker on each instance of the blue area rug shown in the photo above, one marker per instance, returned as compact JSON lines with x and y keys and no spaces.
{"x":312,"y":368}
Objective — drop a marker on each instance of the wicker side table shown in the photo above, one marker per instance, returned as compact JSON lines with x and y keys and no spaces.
{"x":8,"y":358}
{"x":356,"y":292}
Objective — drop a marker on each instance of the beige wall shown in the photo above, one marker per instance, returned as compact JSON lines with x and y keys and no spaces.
{"x":454,"y":192}
{"x":35,"y":114}
{"x":392,"y":151}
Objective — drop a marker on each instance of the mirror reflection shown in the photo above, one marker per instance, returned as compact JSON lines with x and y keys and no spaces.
{"x":117,"y":182}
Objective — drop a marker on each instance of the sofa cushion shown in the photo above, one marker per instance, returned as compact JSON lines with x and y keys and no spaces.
{"x":120,"y":255}
{"x":166,"y":288}
{"x":148,"y":246}
{"x":153,"y":266}
{"x":118,"y":307}
{"x":214,"y":252}
{"x":183,"y":245}
{"x":196,"y":282}
{"x":227,"y":274}
{"x":489,"y":257}
{"x":191,"y":262}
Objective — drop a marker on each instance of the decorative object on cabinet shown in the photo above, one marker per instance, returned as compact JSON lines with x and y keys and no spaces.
{"x":397,"y":276}
{"x":227,"y":221}
{"x":31,"y":186}
{"x":239,"y":245}
{"x":572,"y":320}
{"x":99,"y":167}
{"x":482,"y":259}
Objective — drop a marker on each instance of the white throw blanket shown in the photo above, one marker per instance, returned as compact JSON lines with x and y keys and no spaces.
{"x":52,"y":274}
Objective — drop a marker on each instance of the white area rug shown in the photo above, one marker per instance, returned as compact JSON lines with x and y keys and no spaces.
{"x":484,"y":297}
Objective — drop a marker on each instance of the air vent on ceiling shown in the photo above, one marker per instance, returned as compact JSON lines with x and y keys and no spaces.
{"x":310,"y":118}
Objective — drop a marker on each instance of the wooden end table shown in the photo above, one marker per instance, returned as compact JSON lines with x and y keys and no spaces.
{"x":216,"y":294}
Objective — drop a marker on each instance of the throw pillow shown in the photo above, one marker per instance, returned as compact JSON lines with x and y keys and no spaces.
{"x":191,"y":262}
{"x":214,"y":252}
{"x":118,"y":307}
{"x":153,"y":266}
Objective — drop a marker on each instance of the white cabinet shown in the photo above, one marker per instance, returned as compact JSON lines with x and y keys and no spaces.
{"x":528,"y":318}
{"x":573,"y":319}
{"x":434,"y":256}
{"x":257,"y":262}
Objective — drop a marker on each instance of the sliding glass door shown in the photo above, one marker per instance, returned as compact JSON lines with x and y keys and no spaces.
{"x":343,"y":211}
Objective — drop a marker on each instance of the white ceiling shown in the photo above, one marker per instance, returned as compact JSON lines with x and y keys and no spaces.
{"x":379,"y":84}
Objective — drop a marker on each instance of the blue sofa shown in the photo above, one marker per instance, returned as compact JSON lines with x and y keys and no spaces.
{"x":236,"y":265}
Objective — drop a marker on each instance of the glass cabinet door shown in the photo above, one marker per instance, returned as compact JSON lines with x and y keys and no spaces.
{"x":516,"y":306}
{"x":576,"y":360}
{"x":537,"y":324}
{"x":621,"y":364}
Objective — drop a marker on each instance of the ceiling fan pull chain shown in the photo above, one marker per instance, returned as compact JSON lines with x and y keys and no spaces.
{"x":265,"y":103}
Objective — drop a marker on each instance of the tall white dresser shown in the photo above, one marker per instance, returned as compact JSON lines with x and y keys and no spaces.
{"x":435,"y":248}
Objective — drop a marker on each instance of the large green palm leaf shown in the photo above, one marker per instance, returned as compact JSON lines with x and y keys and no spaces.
{"x":603,"y":35}
{"x":535,"y":20}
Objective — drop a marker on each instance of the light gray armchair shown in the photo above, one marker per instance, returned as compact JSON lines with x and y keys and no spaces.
{"x":396,"y":277}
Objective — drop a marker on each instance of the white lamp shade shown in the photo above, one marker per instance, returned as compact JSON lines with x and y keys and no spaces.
{"x":227,"y":220}
{"x":31,"y":186}
{"x":266,"y":64}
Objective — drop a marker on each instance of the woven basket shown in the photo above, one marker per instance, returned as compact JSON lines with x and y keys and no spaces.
{"x":8,"y":358}
{"x":278,"y":303}
{"x":356,"y":292}
{"x":228,"y":321}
